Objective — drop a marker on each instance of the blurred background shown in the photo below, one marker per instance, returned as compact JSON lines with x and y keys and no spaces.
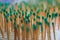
{"x":53,"y":2}
{"x":34,"y":2}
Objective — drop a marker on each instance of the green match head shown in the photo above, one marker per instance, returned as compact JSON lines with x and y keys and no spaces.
{"x":10,"y":12}
{"x":29,"y":15}
{"x":19,"y":16}
{"x":10,"y":19}
{"x":27,"y":20}
{"x":31,"y":12}
{"x":34,"y":14}
{"x":52,"y":23}
{"x":15,"y":27}
{"x":23,"y":12}
{"x":34,"y":27}
{"x":34,"y":19}
{"x":49,"y":16}
{"x":27,"y":29}
{"x":53,"y":15}
{"x":56,"y":14}
{"x":14,"y":12}
{"x":42,"y":17}
{"x":4,"y":10}
{"x":38,"y":17}
{"x":17,"y":13}
{"x":22,"y":27}
{"x":21,"y":21}
{"x":45,"y":20}
{"x":38,"y":23}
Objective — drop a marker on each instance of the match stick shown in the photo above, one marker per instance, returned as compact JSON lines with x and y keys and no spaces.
{"x":54,"y":30}
{"x":1,"y":22}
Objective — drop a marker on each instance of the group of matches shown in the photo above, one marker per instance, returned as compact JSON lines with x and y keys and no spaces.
{"x":27,"y":22}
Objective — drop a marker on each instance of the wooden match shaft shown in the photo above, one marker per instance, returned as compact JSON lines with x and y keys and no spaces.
{"x":34,"y":35}
{"x":45,"y":32}
{"x":49,"y":33}
{"x":25,"y":25}
{"x":15,"y":34}
{"x":12,"y":26}
{"x":54,"y":32}
{"x":31,"y":31}
{"x":5,"y":26}
{"x":25,"y":30}
{"x":37,"y":32}
{"x":8,"y":31}
{"x":1,"y":26}
{"x":27,"y":36}
{"x":27,"y":33}
{"x":18,"y":33}
{"x":23,"y":35}
{"x":2,"y":32}
{"x":41,"y":34}
{"x":42,"y":31}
